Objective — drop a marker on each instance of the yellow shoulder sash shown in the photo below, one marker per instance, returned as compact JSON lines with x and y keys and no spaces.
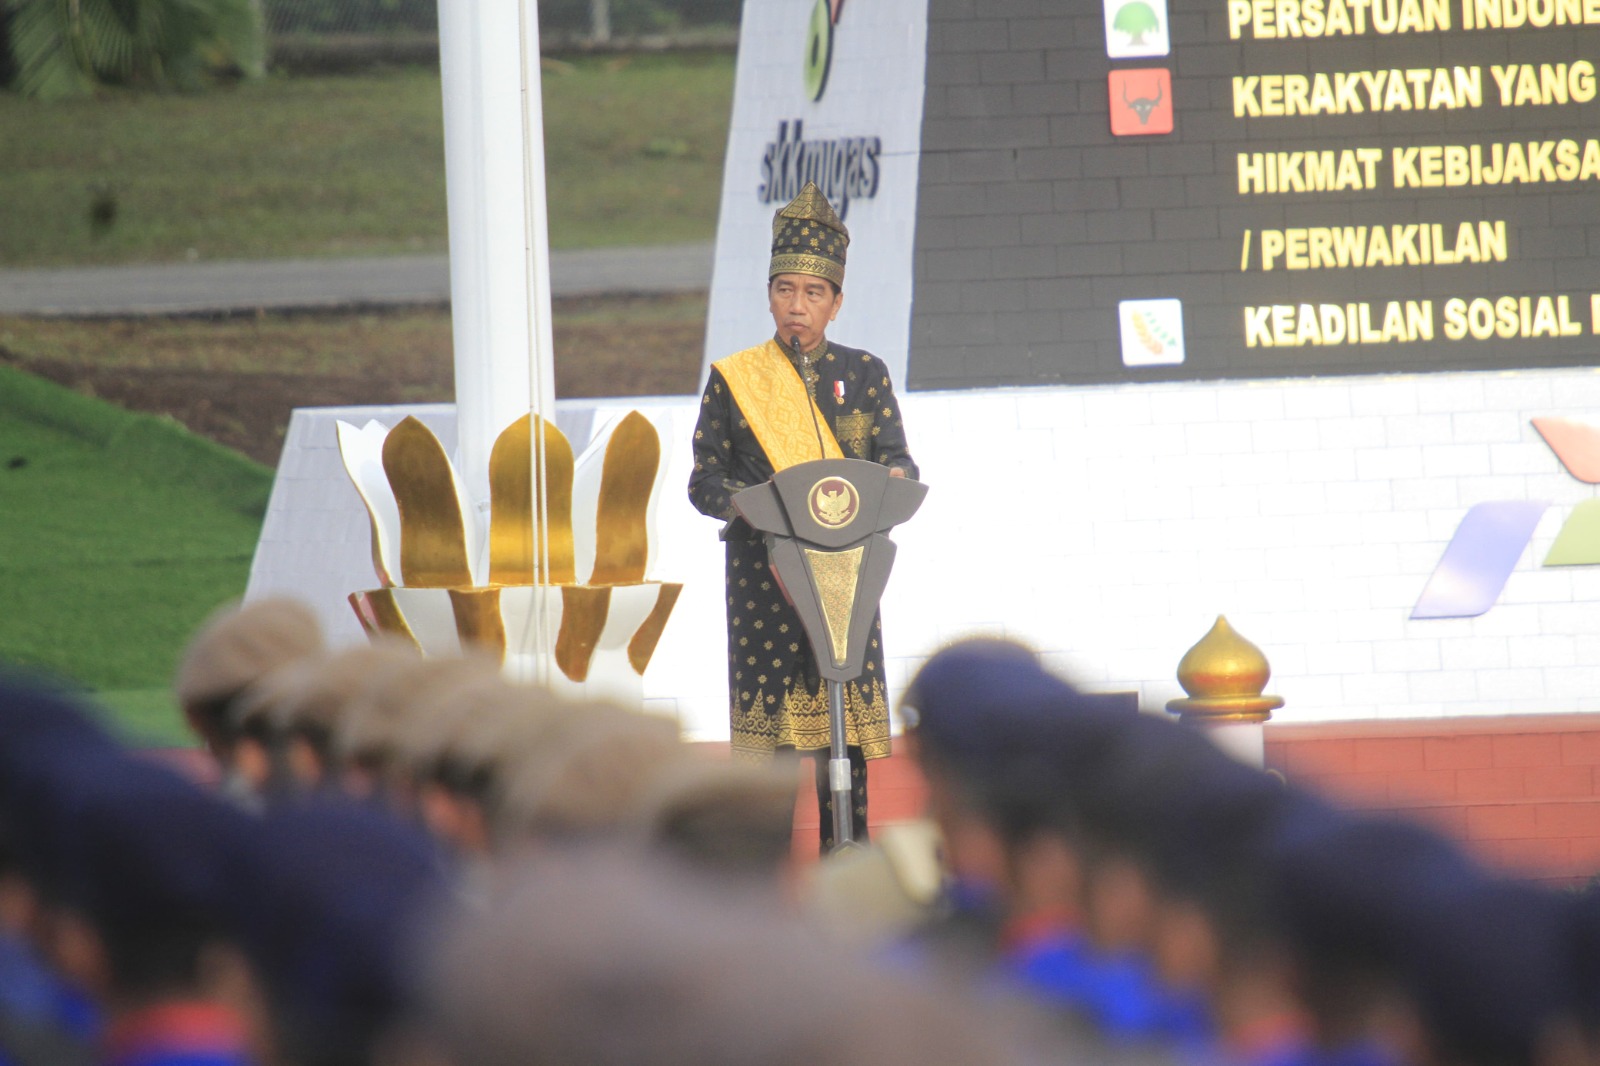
{"x":773,"y":399}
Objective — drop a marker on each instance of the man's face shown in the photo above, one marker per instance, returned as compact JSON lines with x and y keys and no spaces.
{"x":802,"y":306}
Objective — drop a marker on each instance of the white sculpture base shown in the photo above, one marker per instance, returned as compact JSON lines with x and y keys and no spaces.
{"x":581,"y":641}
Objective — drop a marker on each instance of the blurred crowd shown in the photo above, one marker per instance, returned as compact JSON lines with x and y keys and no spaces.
{"x":417,"y":862}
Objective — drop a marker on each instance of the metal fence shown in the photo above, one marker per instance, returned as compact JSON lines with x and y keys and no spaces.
{"x":341,"y":18}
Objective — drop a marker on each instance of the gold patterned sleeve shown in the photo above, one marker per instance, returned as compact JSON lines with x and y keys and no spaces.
{"x":888,"y":428}
{"x":711,"y":483}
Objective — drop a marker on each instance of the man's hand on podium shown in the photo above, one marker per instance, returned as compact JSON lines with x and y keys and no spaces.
{"x":897,"y":471}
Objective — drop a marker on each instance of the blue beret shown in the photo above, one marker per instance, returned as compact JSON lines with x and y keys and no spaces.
{"x":1144,"y":778}
{"x":1582,"y":958}
{"x":962,"y":687}
{"x":44,"y":731}
{"x":1216,"y":836}
{"x":979,"y":696}
{"x":44,"y":799}
{"x":1197,"y":818}
{"x":33,"y":714}
{"x":1349,"y":884}
{"x":1483,"y":961}
{"x":988,"y":714}
{"x":1482,"y":957}
{"x":144,"y":849}
{"x":328,"y":900}
{"x":1044,"y":765}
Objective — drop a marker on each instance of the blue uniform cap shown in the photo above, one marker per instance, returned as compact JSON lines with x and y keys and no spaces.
{"x":44,"y":799}
{"x":986,"y":713}
{"x":1379,"y":899}
{"x":42,"y":729}
{"x":1147,"y":777}
{"x":970,"y":682}
{"x":1581,"y":917}
{"x":33,"y":714}
{"x":144,"y":849}
{"x":328,"y":900}
{"x":1348,"y":882}
{"x":1483,"y":960}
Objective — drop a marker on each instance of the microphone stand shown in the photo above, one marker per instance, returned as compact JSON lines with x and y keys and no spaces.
{"x":838,"y":755}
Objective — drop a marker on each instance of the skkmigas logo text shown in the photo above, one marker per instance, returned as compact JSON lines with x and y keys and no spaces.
{"x":844,"y":168}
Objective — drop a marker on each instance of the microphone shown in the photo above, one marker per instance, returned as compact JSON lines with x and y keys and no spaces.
{"x":805,"y":364}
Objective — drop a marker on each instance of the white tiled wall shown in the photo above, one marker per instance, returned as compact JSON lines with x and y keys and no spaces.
{"x":1109,"y":526}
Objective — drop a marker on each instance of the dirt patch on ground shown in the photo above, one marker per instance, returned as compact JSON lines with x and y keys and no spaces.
{"x":236,"y":379}
{"x":246,"y":411}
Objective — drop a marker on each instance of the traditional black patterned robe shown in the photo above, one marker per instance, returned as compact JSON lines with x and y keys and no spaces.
{"x":776,"y":697}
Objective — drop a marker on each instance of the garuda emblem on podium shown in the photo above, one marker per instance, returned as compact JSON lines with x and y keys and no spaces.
{"x":834,"y":502}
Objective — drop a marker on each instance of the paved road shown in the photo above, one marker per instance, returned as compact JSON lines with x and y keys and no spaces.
{"x":177,"y":288}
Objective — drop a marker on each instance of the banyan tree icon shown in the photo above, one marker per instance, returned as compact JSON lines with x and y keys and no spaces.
{"x":555,"y":580}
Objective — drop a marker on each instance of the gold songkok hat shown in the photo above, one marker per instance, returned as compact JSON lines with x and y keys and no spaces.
{"x":809,"y":238}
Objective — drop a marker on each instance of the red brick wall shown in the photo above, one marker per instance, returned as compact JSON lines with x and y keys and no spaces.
{"x":1519,"y":790}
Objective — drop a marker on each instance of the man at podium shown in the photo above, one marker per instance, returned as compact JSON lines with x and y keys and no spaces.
{"x":794,"y":398}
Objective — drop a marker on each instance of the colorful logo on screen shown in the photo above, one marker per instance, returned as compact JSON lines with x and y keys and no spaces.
{"x":1136,"y":29}
{"x":1489,"y":542}
{"x":819,"y":46}
{"x":1152,"y":332}
{"x":1140,"y":101}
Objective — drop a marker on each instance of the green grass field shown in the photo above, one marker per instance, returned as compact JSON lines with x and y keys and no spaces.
{"x":350,"y":165}
{"x":119,"y":533}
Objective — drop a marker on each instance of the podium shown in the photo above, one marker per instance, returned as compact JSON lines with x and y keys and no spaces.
{"x":825,"y":524}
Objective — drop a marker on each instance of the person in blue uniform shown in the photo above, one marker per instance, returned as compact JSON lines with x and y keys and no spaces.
{"x":330,"y":901}
{"x":140,"y":921}
{"x":45,"y":1019}
{"x":960,"y":727}
{"x":1005,"y":746}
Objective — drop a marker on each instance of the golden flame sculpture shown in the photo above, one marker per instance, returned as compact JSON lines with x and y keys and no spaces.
{"x":553,"y":582}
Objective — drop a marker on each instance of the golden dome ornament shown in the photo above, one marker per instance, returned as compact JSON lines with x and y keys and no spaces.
{"x":1224,"y":675}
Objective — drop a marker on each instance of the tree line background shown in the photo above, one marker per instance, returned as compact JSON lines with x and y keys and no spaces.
{"x":60,"y":48}
{"x":627,"y":17}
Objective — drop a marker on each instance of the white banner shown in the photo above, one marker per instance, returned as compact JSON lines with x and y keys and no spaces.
{"x":831,"y":91}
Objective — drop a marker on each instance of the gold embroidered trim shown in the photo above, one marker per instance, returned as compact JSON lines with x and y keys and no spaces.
{"x":855,"y":433}
{"x":835,"y":575}
{"x":773,"y":400}
{"x":815,"y":265}
{"x":800,"y":721}
{"x":810,"y":207}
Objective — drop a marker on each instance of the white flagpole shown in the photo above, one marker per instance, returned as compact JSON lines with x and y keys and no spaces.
{"x":499,"y":243}
{"x":541,"y":342}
